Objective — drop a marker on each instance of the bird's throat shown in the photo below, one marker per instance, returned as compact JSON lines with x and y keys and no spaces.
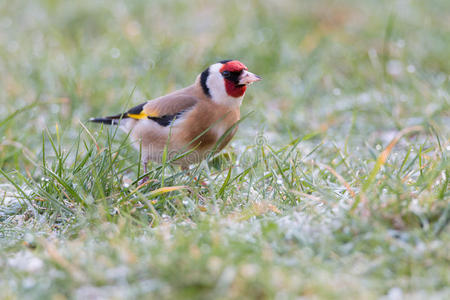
{"x":234,"y":90}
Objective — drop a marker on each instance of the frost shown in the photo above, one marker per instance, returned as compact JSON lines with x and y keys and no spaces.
{"x":410,"y":69}
{"x":25,"y":261}
{"x":115,"y":53}
{"x":395,"y":67}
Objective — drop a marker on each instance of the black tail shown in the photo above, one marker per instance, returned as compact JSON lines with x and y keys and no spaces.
{"x":112,"y":120}
{"x":104,"y":121}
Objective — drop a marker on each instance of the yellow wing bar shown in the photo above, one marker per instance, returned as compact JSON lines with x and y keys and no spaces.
{"x":138,"y":113}
{"x":141,"y":115}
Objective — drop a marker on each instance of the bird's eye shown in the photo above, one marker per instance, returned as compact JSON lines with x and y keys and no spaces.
{"x":226,"y":74}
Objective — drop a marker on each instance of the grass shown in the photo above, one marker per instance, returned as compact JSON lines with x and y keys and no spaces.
{"x":336,"y":185}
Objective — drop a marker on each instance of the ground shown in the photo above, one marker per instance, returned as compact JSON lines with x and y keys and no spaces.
{"x":336,"y":185}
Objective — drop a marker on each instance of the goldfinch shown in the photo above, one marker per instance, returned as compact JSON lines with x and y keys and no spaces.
{"x":191,"y":121}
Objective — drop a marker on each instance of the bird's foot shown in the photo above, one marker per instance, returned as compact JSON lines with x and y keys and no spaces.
{"x":202,"y":183}
{"x":143,"y":180}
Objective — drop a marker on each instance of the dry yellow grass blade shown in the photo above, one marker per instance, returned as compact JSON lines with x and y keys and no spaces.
{"x":59,"y":259}
{"x":166,"y":189}
{"x":339,"y":178}
{"x":381,"y":160}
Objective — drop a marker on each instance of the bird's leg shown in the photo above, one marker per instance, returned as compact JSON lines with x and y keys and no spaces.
{"x":185,"y":169}
{"x":145,"y":179}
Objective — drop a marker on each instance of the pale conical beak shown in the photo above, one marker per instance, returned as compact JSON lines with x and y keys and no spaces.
{"x":248,"y":77}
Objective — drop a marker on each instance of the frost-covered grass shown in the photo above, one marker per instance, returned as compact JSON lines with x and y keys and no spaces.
{"x":336,"y":185}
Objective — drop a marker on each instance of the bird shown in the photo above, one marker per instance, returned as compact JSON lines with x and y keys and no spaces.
{"x":188,"y":124}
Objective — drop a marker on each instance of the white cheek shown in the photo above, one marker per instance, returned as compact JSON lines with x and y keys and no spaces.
{"x":216,"y":85}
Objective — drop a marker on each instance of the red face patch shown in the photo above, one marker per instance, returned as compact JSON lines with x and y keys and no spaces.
{"x":233,"y":66}
{"x":232,"y":89}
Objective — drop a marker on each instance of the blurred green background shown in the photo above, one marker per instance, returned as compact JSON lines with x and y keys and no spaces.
{"x":320,"y":60}
{"x":348,"y":75}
